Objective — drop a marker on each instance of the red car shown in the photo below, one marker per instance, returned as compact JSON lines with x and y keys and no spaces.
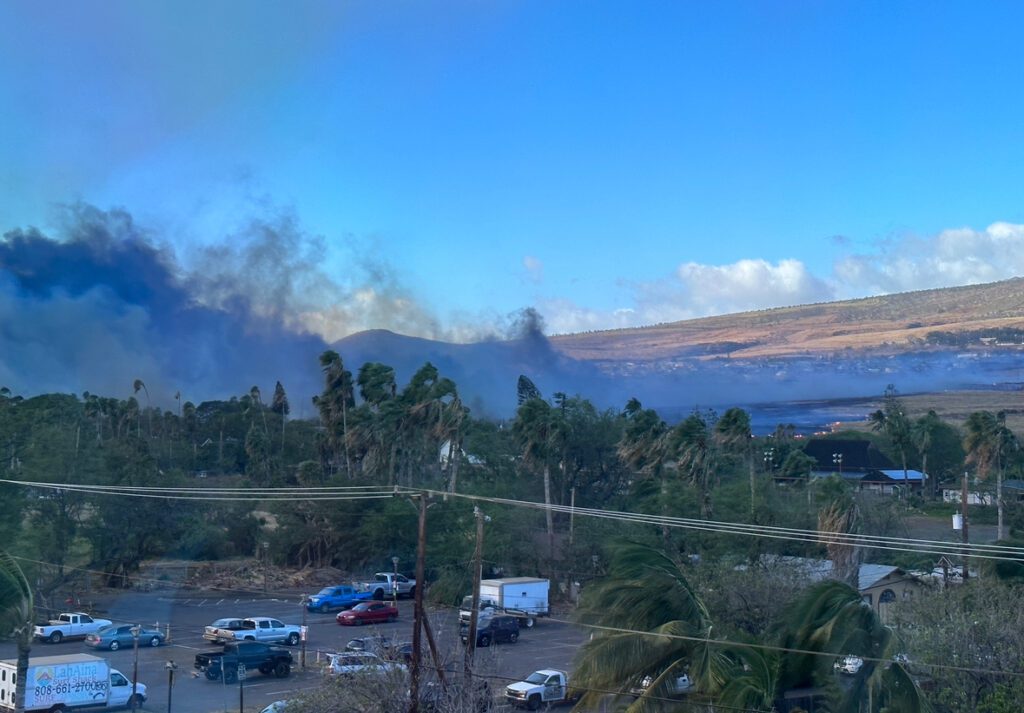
{"x":368,"y":613}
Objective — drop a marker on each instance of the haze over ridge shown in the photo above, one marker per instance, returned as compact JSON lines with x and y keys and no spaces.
{"x":110,"y":301}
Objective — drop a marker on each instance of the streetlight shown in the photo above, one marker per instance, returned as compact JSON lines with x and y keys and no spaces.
{"x":171,"y":668}
{"x":394,"y":582}
{"x":136,"y":630}
{"x":837,"y":459}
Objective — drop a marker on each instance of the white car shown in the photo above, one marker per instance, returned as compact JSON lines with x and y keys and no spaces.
{"x":848,"y":664}
{"x":352,"y":663}
{"x":276,"y":707}
{"x":679,"y":685}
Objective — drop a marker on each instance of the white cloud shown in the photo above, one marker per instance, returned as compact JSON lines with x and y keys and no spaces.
{"x":958,"y":256}
{"x":534,"y":269}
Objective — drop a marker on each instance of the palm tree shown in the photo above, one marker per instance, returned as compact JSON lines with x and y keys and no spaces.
{"x":922,"y":433}
{"x":533,"y":427}
{"x":642,"y":448}
{"x":892,"y":420}
{"x":646,"y":602}
{"x":334,"y":403}
{"x":138,"y":385}
{"x":733,"y":431}
{"x":987,"y":441}
{"x":692,"y":442}
{"x":831,"y":620}
{"x":16,"y":607}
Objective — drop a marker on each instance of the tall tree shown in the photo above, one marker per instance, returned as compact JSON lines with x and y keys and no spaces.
{"x":922,"y":434}
{"x":534,"y":427}
{"x":334,"y":404}
{"x":526,"y":390}
{"x":892,"y":421}
{"x":16,"y":618}
{"x":693,"y":445}
{"x":987,"y":442}
{"x":279,"y":405}
{"x":642,"y":448}
{"x":733,"y":432}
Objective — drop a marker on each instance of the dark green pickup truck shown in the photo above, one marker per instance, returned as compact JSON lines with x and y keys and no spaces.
{"x":264,"y":658}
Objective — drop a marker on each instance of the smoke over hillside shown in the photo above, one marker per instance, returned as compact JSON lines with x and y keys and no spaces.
{"x":104,"y":302}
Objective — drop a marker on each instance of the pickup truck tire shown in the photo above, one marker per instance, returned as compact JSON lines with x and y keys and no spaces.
{"x":533,"y":702}
{"x":56,"y":637}
{"x":230,"y":676}
{"x":282,"y":670}
{"x":485,"y":640}
{"x":293,"y":639}
{"x":378,"y":594}
{"x":114,"y":645}
{"x":528,"y":622}
{"x":155,"y":641}
{"x":139,"y":700}
{"x":266,"y":669}
{"x":323,"y":608}
{"x":250,"y":638}
{"x":513,"y":637}
{"x":211,"y":675}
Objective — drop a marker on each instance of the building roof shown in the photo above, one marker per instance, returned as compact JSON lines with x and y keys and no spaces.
{"x":817,"y":570}
{"x":911,"y":475}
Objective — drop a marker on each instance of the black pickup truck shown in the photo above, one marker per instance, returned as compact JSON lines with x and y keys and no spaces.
{"x":265,"y":658}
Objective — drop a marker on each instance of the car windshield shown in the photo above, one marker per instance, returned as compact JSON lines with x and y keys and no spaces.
{"x":106,"y":630}
{"x":537,"y":677}
{"x":222,"y":622}
{"x":325,"y":592}
{"x":360,"y":607}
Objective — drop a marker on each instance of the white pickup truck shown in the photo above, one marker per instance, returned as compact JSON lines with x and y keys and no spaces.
{"x":386,"y":585}
{"x":72,"y":625}
{"x":265,"y":629}
{"x":546,"y":687}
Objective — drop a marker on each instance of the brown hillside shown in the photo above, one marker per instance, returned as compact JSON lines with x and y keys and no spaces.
{"x":900,"y":321}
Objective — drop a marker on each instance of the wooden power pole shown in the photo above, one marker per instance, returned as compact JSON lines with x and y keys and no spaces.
{"x":475,"y":609}
{"x":421,"y":556}
{"x":963,"y":531}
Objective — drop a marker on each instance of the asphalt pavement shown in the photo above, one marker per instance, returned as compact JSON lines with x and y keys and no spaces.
{"x":549,"y":644}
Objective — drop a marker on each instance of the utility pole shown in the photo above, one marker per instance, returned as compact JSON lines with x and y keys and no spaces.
{"x":421,"y":556}
{"x":136,"y":631}
{"x":475,"y":608}
{"x":171,"y":668}
{"x":963,"y":532}
{"x":305,"y":630}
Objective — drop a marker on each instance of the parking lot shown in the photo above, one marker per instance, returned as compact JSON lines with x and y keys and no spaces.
{"x":549,"y":644}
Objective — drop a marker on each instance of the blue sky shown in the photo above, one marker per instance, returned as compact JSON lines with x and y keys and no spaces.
{"x":611,"y":164}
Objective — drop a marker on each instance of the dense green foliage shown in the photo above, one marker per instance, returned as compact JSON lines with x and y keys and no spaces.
{"x":372,"y":430}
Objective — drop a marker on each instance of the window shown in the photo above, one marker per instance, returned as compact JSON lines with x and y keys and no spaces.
{"x":887,"y":597}
{"x":264,"y":624}
{"x":276,"y":624}
{"x":117,"y":679}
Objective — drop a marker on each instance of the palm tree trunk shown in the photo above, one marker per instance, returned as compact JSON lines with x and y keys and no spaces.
{"x":547,"y":511}
{"x":24,"y":648}
{"x":753,"y":483}
{"x":999,"y":503}
{"x":344,"y":436}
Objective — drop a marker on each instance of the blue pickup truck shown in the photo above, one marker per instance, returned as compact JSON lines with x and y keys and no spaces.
{"x":341,"y":596}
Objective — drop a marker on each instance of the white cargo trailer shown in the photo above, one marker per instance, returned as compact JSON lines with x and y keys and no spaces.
{"x":525,"y":598}
{"x":57,"y":683}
